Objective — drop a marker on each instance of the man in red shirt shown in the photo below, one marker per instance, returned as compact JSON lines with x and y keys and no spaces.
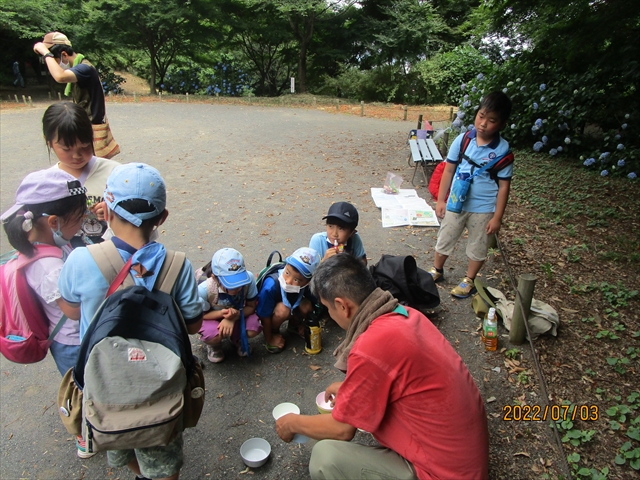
{"x":405,"y":384}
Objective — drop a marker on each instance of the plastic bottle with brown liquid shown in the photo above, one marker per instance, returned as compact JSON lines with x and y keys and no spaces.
{"x":312,"y":332}
{"x":490,"y":331}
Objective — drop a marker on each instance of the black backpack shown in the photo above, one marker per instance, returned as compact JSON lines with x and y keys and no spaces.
{"x":411,"y":285}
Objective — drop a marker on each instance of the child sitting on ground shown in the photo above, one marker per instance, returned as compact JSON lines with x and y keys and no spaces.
{"x":488,"y":194}
{"x":341,"y":234}
{"x":284,"y":296}
{"x":229,"y":296}
{"x":68,"y":132}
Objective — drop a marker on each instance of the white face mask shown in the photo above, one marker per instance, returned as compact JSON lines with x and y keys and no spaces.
{"x":108,"y":233}
{"x":64,"y":66}
{"x":288,"y":288}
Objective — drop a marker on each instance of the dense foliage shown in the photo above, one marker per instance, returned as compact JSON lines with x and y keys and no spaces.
{"x":585,"y":53}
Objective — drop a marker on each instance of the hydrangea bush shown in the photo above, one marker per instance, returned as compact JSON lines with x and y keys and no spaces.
{"x":111,"y":82}
{"x":562,"y":116}
{"x":224,"y":79}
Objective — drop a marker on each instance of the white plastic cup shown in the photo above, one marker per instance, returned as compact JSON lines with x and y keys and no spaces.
{"x":285,"y":408}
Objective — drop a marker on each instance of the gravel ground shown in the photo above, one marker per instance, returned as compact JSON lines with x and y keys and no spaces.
{"x":257,"y":179}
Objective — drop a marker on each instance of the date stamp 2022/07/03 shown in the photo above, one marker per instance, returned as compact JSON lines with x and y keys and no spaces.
{"x":538,"y":413}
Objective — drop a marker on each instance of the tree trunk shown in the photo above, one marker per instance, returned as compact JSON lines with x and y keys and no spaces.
{"x":301,"y":81}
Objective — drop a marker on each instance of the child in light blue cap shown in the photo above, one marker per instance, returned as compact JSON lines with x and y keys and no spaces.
{"x":229,"y":296}
{"x":284,"y":296}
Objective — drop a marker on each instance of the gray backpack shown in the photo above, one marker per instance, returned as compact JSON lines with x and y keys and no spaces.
{"x":135,"y":360}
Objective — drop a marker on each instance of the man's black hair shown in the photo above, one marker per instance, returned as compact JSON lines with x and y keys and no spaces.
{"x":342,"y":276}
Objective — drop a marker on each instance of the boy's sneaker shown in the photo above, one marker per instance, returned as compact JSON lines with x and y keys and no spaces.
{"x":215,"y":354}
{"x":437,"y":276}
{"x":81,"y":447}
{"x":465,"y":289}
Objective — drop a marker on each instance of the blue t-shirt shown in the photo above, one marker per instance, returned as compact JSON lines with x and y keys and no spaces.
{"x":320,"y":243}
{"x":483,"y":193}
{"x":82,"y":282}
{"x":271,"y":294}
{"x":88,"y":92}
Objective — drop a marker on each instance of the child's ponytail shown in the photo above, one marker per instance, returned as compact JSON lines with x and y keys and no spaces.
{"x":17,"y":230}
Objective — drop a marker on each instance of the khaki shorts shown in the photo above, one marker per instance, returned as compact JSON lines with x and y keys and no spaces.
{"x":154,"y":462}
{"x":452,"y":228}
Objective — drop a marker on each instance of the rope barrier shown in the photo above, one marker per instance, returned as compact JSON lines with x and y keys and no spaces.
{"x":543,"y":386}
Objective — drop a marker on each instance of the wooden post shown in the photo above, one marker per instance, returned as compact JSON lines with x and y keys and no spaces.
{"x":419,"y":121}
{"x":59,"y":97}
{"x":445,"y":143}
{"x":24,"y":99}
{"x":30,"y":101}
{"x":526,"y":284}
{"x":16,"y":97}
{"x":451,"y":114}
{"x":405,"y":108}
{"x":337,"y":104}
{"x":160,"y":95}
{"x":362,"y":108}
{"x":314,"y":101}
{"x":187,"y":97}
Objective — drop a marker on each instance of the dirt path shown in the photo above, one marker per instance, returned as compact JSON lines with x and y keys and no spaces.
{"x":257,"y":179}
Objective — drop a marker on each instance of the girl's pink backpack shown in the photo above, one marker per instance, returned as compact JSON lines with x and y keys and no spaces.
{"x":24,"y":327}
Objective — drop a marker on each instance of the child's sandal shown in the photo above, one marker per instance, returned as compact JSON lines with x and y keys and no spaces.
{"x":273,"y":348}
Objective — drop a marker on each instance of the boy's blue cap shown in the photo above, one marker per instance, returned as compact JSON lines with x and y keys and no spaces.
{"x":228,"y":266}
{"x":135,"y":181}
{"x":305,"y":260}
{"x":343,"y":211}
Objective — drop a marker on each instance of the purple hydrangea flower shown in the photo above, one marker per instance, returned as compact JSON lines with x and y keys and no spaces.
{"x":604,"y":156}
{"x":553,"y":151}
{"x":604,"y":173}
{"x":480,"y":76}
{"x":474,"y":89}
{"x":560,"y":112}
{"x":543,"y":87}
{"x":535,"y":106}
{"x":534,"y":129}
{"x":470,"y":126}
{"x":559,"y":148}
{"x":537,"y":146}
{"x":460,"y":114}
{"x":620,"y":146}
{"x":617,"y":137}
{"x":621,"y":162}
{"x":545,"y":139}
{"x":543,"y":98}
{"x":457,"y":123}
{"x":567,"y":140}
{"x":463,"y":86}
{"x":466,"y":104}
{"x":466,"y":97}
{"x":624,"y":126}
{"x":538,"y":123}
{"x":632,"y":176}
{"x":589,"y":161}
{"x":505,"y":90}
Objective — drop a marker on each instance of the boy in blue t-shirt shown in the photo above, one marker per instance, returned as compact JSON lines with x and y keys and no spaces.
{"x":135,"y":196}
{"x":284,"y":296}
{"x":486,"y":201}
{"x":341,"y":235}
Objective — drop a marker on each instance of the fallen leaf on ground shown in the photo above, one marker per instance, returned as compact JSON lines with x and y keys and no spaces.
{"x":315,"y":367}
